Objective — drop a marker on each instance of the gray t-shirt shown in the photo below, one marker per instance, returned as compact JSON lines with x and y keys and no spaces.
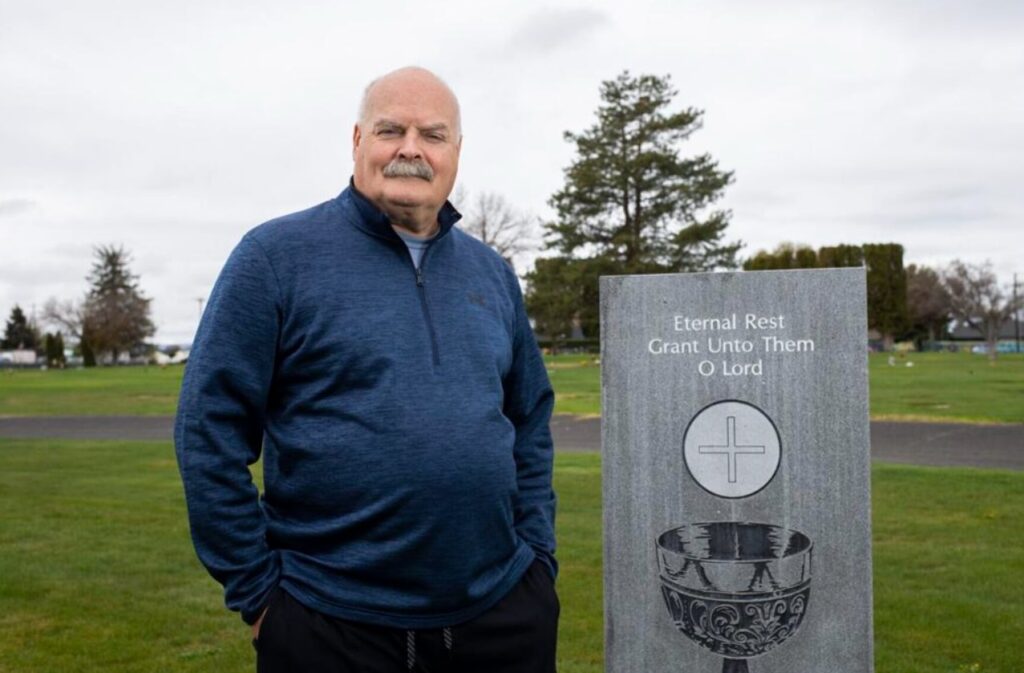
{"x":415,"y":244}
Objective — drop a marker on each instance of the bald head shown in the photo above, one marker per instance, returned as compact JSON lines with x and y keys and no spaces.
{"x":406,"y":147}
{"x":410,"y":78}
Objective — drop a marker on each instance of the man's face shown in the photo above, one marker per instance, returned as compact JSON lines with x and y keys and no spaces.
{"x":406,"y":149}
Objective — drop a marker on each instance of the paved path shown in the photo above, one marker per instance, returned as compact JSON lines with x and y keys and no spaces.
{"x":945,"y":444}
{"x":87,"y":427}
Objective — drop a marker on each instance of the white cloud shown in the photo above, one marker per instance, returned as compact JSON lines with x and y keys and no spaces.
{"x":551,"y":28}
{"x":11,"y":207}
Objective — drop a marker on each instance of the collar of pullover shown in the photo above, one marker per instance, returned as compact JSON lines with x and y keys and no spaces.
{"x":374,"y":221}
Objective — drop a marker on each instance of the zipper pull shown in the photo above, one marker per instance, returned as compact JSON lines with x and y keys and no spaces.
{"x":419,"y":277}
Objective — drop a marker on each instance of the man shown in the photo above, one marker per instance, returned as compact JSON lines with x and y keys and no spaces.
{"x":382,"y":362}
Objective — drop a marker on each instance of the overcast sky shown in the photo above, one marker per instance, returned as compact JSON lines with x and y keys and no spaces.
{"x":174,"y":127}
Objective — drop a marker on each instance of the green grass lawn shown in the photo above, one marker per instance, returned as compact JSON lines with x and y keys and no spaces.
{"x":108,"y":391}
{"x":577,"y":383}
{"x":97,"y":571}
{"x":939,"y":386}
{"x":954,"y":386}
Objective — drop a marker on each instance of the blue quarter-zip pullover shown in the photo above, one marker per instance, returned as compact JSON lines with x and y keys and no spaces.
{"x":402,"y":416}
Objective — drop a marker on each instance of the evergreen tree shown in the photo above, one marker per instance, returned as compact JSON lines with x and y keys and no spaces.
{"x":887,"y":290}
{"x":630,"y":197}
{"x":86,"y":350}
{"x":116,"y":316}
{"x":785,"y":256}
{"x":842,"y":255}
{"x":54,"y":349}
{"x":886,"y":278}
{"x":630,"y":202}
{"x":794,"y":256}
{"x":19,"y":333}
{"x":564,"y":291}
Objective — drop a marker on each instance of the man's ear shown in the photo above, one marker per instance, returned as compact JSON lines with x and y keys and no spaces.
{"x":357,"y":135}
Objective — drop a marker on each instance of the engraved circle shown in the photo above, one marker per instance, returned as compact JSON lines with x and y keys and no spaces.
{"x":732,"y":449}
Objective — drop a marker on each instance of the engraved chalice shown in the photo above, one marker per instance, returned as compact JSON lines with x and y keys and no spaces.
{"x":737,"y":589}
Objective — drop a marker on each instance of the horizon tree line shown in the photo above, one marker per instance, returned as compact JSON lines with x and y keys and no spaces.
{"x":916,"y":303}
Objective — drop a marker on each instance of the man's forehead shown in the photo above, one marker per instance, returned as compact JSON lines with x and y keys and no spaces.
{"x":411,"y":94}
{"x":411,"y":99}
{"x":417,"y":113}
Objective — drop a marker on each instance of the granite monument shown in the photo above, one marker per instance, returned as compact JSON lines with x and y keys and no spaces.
{"x":735,"y":448}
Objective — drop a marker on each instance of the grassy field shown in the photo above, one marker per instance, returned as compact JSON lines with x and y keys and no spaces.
{"x":108,"y":391}
{"x":939,"y":386}
{"x":955,"y":386}
{"x":98,"y":572}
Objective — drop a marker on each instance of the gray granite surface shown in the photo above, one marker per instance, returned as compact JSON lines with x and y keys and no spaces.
{"x":736,"y":472}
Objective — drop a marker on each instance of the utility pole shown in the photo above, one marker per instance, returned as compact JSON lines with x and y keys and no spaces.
{"x":1016,"y":313}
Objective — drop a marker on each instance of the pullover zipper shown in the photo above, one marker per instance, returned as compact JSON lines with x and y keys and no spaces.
{"x":421,"y":287}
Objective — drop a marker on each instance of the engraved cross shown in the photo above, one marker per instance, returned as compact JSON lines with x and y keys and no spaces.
{"x":731,"y":449}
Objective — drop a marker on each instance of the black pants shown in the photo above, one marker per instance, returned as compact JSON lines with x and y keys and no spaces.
{"x":517,"y":635}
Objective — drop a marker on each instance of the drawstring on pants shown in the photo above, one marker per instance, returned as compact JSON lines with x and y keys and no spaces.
{"x":410,"y":645}
{"x":447,"y":632}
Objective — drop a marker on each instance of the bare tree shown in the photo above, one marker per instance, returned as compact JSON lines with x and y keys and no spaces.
{"x":494,"y":221}
{"x":67,"y":315}
{"x":928,"y":303}
{"x":977,"y":299}
{"x":74,"y":319}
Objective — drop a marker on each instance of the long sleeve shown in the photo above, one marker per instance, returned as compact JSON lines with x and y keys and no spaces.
{"x":529,"y":400}
{"x":218,"y":431}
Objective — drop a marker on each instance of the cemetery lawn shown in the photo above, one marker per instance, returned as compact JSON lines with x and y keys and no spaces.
{"x":98,"y":571}
{"x":956,"y":387}
{"x":106,"y":391}
{"x":961,"y":387}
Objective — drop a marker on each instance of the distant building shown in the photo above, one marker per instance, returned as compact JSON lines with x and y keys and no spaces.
{"x":180,"y":356}
{"x":963,"y":332}
{"x":19,"y":357}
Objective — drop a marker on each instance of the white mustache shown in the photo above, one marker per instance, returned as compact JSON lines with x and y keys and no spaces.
{"x":404,"y":168}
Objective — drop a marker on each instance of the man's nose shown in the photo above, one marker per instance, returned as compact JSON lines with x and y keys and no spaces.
{"x":410,"y":147}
